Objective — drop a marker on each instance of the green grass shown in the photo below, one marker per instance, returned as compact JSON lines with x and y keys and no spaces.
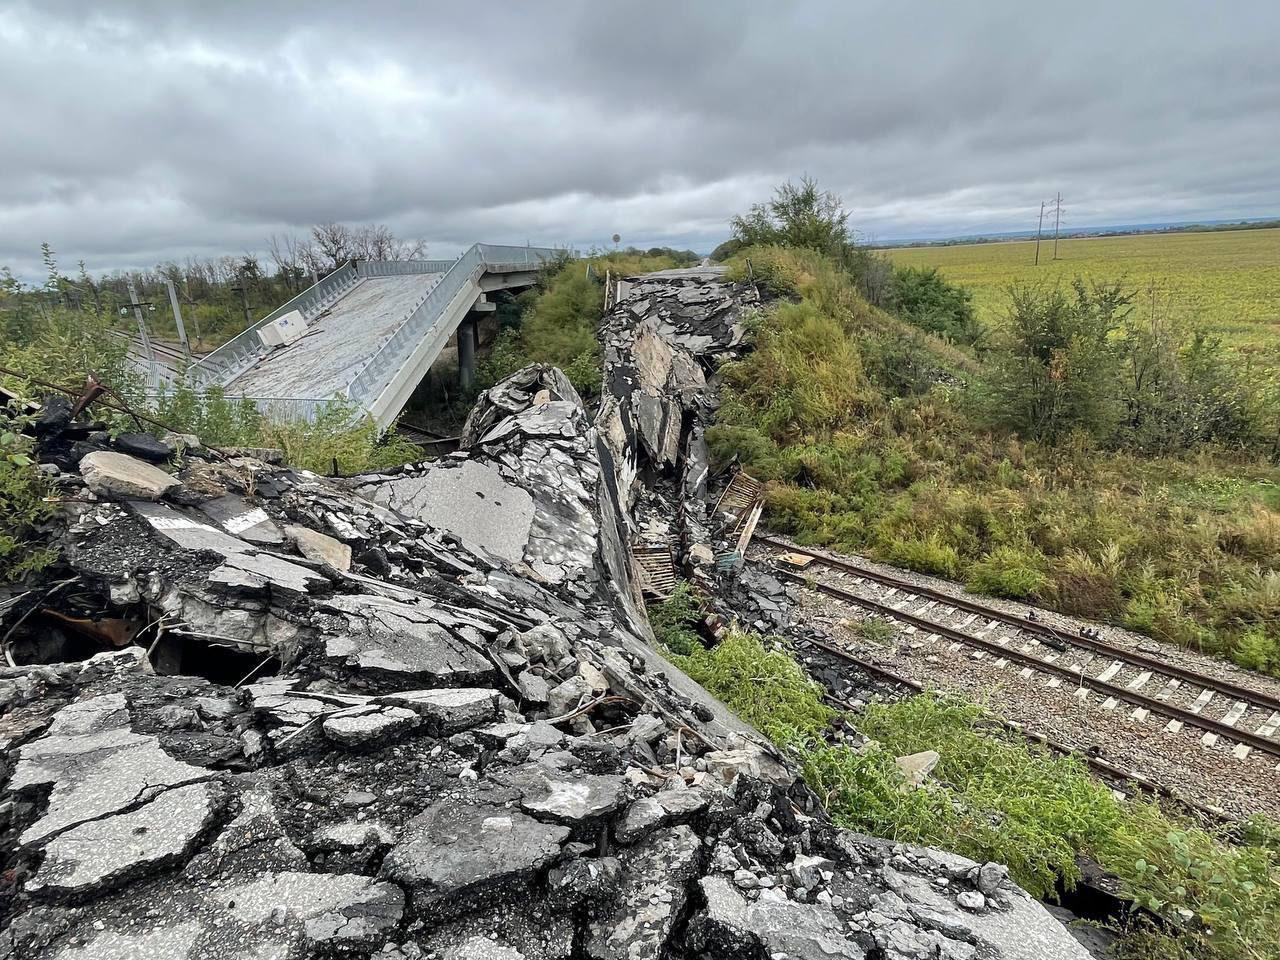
{"x":1224,"y":282}
{"x":865,"y":451}
{"x":993,"y":797}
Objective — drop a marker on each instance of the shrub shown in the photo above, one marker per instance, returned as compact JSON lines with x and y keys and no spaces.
{"x":1054,"y":367}
{"x":1008,"y":572}
{"x":923,"y":297}
{"x":1088,"y":587}
{"x":673,"y":621}
{"x":1256,"y":650}
{"x":928,"y":555}
{"x":779,"y":271}
{"x":340,"y":435}
{"x":561,"y":324}
{"x":22,"y":506}
{"x":804,"y":376}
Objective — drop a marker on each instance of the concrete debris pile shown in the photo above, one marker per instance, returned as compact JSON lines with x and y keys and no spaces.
{"x":661,"y":342}
{"x":413,"y":715}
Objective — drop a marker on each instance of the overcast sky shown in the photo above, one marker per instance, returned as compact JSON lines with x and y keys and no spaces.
{"x":136,"y":132}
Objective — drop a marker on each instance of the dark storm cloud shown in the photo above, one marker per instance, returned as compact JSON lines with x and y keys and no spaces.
{"x":137,"y":132}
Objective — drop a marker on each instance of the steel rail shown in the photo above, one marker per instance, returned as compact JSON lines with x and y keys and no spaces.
{"x":1265,"y":744}
{"x":1133,"y":657}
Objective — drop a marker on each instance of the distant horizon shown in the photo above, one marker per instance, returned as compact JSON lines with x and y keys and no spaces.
{"x":1149,"y":226}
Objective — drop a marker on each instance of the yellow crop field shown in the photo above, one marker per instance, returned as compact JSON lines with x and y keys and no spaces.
{"x":1226,"y":282}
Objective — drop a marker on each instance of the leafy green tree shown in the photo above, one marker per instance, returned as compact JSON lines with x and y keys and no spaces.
{"x":803,"y":216}
{"x":1054,"y":369}
{"x":798,"y":216}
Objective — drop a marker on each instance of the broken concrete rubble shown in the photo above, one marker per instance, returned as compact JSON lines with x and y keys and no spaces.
{"x":120,"y":477}
{"x":471,"y":748}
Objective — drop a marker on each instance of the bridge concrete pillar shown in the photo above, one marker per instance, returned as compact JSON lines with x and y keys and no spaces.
{"x":467,"y":352}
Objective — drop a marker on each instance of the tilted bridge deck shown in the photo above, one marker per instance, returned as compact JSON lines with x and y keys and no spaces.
{"x":373,"y":330}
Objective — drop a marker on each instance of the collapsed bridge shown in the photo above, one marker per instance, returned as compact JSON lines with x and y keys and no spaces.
{"x":367,"y":333}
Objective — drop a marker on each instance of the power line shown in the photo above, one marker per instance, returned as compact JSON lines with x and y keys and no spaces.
{"x":1056,"y":203}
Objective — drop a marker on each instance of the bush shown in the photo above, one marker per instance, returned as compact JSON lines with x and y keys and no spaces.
{"x":22,"y":506}
{"x":928,"y":555}
{"x":803,"y":377}
{"x":1054,"y":367}
{"x":341,"y":435}
{"x":560,"y":325}
{"x":923,"y":297}
{"x":674,"y":620}
{"x":1008,"y":572}
{"x":779,"y":271}
{"x":1256,"y":650}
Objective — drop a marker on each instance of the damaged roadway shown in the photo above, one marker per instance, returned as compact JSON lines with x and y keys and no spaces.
{"x":448,"y":733}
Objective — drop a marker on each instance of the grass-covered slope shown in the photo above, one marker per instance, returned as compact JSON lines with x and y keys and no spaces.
{"x":880,"y":439}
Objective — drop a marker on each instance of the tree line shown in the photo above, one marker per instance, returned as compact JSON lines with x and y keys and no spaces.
{"x":218,"y":295}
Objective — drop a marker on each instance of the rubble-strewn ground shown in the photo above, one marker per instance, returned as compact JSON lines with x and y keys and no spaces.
{"x":419,"y":714}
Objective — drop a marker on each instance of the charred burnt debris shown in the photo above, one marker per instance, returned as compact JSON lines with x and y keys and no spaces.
{"x":256,"y":713}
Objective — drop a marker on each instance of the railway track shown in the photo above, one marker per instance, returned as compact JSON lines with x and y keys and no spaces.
{"x":1227,"y":713}
{"x":1122,"y":778}
{"x":422,"y":436}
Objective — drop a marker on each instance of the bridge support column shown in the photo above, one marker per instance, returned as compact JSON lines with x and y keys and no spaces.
{"x":467,"y":352}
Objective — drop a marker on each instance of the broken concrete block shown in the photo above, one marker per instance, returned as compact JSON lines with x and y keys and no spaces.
{"x":449,"y":710}
{"x":916,"y":767}
{"x":355,"y":836}
{"x":655,"y":880}
{"x":545,"y":643}
{"x":157,"y":943}
{"x":103,"y":853}
{"x":340,"y":910}
{"x":320,"y":547}
{"x":552,"y":791}
{"x":664,"y":807}
{"x":96,"y":764}
{"x":242,"y":519}
{"x":565,"y":697}
{"x":533,"y":688}
{"x":118,"y":476}
{"x":254,"y":841}
{"x":402,"y":641}
{"x":453,"y":848}
{"x":732,"y":925}
{"x":471,"y":500}
{"x":144,"y":446}
{"x":359,"y":725}
{"x":725,"y":765}
{"x":594,"y":676}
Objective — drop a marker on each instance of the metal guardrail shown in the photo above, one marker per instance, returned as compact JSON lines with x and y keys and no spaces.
{"x":278,"y":409}
{"x":401,"y":268}
{"x":380,"y":369}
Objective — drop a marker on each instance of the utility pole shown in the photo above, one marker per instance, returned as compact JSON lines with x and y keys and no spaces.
{"x":243,"y":287}
{"x":148,"y":352}
{"x":1039,"y":227}
{"x":1057,"y":219}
